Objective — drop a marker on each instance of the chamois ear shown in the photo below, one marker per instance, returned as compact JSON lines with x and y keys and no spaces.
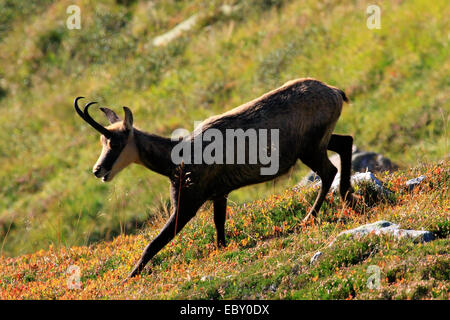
{"x":128,"y":121}
{"x":111,"y":115}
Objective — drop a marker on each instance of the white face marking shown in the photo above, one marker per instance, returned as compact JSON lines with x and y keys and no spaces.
{"x":128,"y":155}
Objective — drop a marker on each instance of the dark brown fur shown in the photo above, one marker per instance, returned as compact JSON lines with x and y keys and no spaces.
{"x":304,"y":110}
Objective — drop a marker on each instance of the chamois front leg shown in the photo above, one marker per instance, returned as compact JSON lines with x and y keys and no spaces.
{"x":185,"y":213}
{"x":318,"y":161}
{"x":220,"y":214}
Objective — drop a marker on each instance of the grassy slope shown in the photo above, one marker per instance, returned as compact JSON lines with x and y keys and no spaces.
{"x":267,"y":257}
{"x":396,"y":77}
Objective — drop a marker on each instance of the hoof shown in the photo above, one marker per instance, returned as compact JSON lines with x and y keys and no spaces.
{"x":221,"y":246}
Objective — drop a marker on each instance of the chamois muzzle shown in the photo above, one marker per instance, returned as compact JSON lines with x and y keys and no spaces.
{"x":97,"y":172}
{"x":86,"y":117}
{"x":101,"y":172}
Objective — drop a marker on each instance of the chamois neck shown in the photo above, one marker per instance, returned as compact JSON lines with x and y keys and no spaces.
{"x":154,"y":152}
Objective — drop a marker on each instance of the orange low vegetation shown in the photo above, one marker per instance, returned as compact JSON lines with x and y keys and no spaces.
{"x":264,"y":236}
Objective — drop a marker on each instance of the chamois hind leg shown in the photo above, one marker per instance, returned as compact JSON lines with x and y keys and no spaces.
{"x":320,"y":164}
{"x":220,"y":214}
{"x":343,"y":146}
{"x":186,"y":212}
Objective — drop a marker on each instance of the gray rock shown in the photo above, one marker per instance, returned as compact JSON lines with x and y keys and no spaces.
{"x":386,"y":227}
{"x":362,"y":161}
{"x":371,"y":161}
{"x":188,"y":25}
{"x":315,"y":257}
{"x":411,"y":184}
{"x":370,"y":187}
{"x":359,"y":179}
{"x":311,"y":177}
{"x":177,"y":31}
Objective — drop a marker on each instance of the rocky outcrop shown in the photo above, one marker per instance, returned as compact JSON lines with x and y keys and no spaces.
{"x":189,"y":24}
{"x":381,"y":227}
{"x":386,"y":227}
{"x":371,"y":161}
{"x":364,"y":183}
{"x":177,"y":31}
{"x":361,"y":178}
{"x":362,"y":161}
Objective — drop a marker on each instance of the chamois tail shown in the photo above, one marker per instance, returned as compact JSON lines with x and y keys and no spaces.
{"x":342,"y":93}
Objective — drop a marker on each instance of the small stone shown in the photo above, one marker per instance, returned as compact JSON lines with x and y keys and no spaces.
{"x":315,"y":257}
{"x":411,"y":184}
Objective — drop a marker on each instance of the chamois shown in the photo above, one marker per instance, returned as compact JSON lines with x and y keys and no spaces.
{"x":305,"y":112}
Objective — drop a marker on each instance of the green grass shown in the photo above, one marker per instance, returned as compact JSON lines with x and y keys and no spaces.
{"x":268,"y":253}
{"x":397,"y":79}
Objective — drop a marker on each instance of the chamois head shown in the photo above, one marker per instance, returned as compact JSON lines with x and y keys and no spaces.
{"x":118,"y":145}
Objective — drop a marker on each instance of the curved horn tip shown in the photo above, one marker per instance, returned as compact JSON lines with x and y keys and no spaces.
{"x":77,"y":108}
{"x":78,"y":98}
{"x":87,"y":105}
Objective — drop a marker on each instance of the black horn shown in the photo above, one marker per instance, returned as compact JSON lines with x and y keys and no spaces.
{"x":86,"y":117}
